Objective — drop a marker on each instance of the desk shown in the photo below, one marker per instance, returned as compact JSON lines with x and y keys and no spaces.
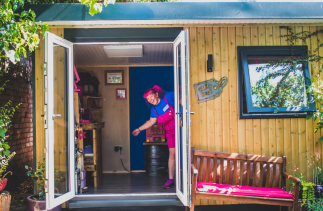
{"x":96,"y":167}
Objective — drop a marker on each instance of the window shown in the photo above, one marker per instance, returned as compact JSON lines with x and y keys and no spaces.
{"x":272,"y":84}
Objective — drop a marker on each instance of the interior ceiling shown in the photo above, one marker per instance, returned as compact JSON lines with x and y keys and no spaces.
{"x":94,"y":55}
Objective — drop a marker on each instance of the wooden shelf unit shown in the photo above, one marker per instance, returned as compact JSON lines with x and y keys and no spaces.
{"x":96,"y":167}
{"x":95,"y":106}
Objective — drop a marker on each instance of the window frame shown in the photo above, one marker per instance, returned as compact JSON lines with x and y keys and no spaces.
{"x":244,"y":79}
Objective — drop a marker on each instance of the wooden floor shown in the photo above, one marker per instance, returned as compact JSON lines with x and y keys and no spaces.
{"x":130,"y":183}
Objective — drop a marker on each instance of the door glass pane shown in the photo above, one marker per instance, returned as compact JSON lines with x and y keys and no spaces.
{"x":180,"y":118}
{"x":280,"y":85}
{"x":61,"y":173}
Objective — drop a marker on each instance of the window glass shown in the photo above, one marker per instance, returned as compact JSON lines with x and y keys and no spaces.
{"x":272,"y":83}
{"x":276,"y":85}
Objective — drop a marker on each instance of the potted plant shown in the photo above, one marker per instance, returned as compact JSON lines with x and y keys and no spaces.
{"x":37,"y":202}
{"x":315,"y":166}
{"x":3,"y":168}
{"x":306,"y":189}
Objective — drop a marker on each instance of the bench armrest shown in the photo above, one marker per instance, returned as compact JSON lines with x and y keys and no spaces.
{"x":296,"y":186}
{"x":290,"y":177}
{"x":194,"y":170}
{"x":194,"y":181}
{"x":194,"y":177}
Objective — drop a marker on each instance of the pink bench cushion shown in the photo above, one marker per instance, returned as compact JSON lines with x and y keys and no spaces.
{"x":242,"y":190}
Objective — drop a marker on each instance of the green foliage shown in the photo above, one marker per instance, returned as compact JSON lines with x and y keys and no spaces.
{"x":307,"y":187}
{"x":316,"y":91}
{"x":4,"y":164}
{"x":308,"y":195}
{"x":315,"y":166}
{"x":316,"y":87}
{"x":18,"y":32}
{"x":96,"y":6}
{"x":6,"y":113}
{"x":295,"y":173}
{"x":287,"y":92}
{"x":315,"y":205}
{"x":39,"y":178}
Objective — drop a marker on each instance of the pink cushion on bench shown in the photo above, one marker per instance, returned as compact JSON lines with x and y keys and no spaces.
{"x":242,"y":190}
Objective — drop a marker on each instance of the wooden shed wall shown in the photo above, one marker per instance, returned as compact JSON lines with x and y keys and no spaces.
{"x":216,"y":124}
{"x":39,"y":93}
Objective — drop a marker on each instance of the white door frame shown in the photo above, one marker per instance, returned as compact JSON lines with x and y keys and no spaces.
{"x":50,"y":41}
{"x":183,"y":195}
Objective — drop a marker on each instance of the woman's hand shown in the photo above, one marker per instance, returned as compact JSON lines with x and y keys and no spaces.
{"x":136,"y":132}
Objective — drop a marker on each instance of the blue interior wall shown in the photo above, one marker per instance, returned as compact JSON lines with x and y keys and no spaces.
{"x":140,"y":79}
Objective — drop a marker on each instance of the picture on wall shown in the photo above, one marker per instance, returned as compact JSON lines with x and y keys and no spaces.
{"x":114,"y":77}
{"x":121,"y":94}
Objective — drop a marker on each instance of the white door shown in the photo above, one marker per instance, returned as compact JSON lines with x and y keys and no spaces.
{"x":182,"y":118}
{"x":59,"y":121}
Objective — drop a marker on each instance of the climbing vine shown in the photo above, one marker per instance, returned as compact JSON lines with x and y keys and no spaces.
{"x":313,"y":57}
{"x":290,"y":79}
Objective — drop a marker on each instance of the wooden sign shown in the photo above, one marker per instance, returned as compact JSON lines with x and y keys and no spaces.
{"x":210,"y":89}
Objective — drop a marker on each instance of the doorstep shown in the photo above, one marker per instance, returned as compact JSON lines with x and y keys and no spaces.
{"x":124,"y":200}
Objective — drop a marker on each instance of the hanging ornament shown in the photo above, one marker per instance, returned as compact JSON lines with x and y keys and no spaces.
{"x":81,"y":135}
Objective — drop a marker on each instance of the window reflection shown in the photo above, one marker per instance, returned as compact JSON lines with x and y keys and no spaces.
{"x":281,"y":85}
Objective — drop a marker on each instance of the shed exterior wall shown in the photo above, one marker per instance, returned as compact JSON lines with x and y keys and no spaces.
{"x":215,"y":124}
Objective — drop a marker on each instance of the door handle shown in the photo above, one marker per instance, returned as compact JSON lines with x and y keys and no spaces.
{"x":192,"y":112}
{"x":56,"y":115}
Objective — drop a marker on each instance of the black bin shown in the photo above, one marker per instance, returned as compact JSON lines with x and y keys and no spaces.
{"x":155,"y":160}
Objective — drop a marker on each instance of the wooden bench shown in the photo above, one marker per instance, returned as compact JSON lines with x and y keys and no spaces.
{"x":242,"y":170}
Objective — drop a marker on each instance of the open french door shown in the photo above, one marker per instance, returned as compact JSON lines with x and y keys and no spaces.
{"x":182,"y":118}
{"x":59,"y":121}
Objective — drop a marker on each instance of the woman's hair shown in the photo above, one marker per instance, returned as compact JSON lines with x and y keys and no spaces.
{"x":156,"y":89}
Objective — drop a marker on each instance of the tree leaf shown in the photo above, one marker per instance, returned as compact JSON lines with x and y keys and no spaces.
{"x":2,"y":132}
{"x":309,"y":115}
{"x":6,"y":153}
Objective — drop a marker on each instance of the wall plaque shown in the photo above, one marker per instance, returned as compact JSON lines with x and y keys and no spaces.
{"x":210,"y":89}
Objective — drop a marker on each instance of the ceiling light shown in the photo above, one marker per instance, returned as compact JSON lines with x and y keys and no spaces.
{"x":123,"y":50}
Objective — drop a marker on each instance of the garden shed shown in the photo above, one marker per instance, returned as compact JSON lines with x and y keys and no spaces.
{"x":184,"y":44}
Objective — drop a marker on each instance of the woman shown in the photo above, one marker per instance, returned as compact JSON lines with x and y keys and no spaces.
{"x":162,"y":111}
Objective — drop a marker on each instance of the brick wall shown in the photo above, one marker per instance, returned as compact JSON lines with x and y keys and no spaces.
{"x":19,"y":90}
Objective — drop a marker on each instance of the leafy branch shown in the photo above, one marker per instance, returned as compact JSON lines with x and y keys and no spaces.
{"x":18,"y":32}
{"x":4,"y":164}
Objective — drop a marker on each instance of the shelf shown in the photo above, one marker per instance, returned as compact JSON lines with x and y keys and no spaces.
{"x":94,"y":105}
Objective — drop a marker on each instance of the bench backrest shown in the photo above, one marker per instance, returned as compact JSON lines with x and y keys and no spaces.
{"x":239,"y":169}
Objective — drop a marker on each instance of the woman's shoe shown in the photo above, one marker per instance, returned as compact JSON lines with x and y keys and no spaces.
{"x":169,"y":183}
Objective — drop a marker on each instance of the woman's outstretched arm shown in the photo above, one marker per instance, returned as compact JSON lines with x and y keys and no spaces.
{"x":148,"y":124}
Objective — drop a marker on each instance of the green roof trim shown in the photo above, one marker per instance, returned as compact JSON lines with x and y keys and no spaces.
{"x":180,"y":10}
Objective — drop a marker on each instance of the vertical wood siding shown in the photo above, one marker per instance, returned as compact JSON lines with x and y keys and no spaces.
{"x":216,"y":125}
